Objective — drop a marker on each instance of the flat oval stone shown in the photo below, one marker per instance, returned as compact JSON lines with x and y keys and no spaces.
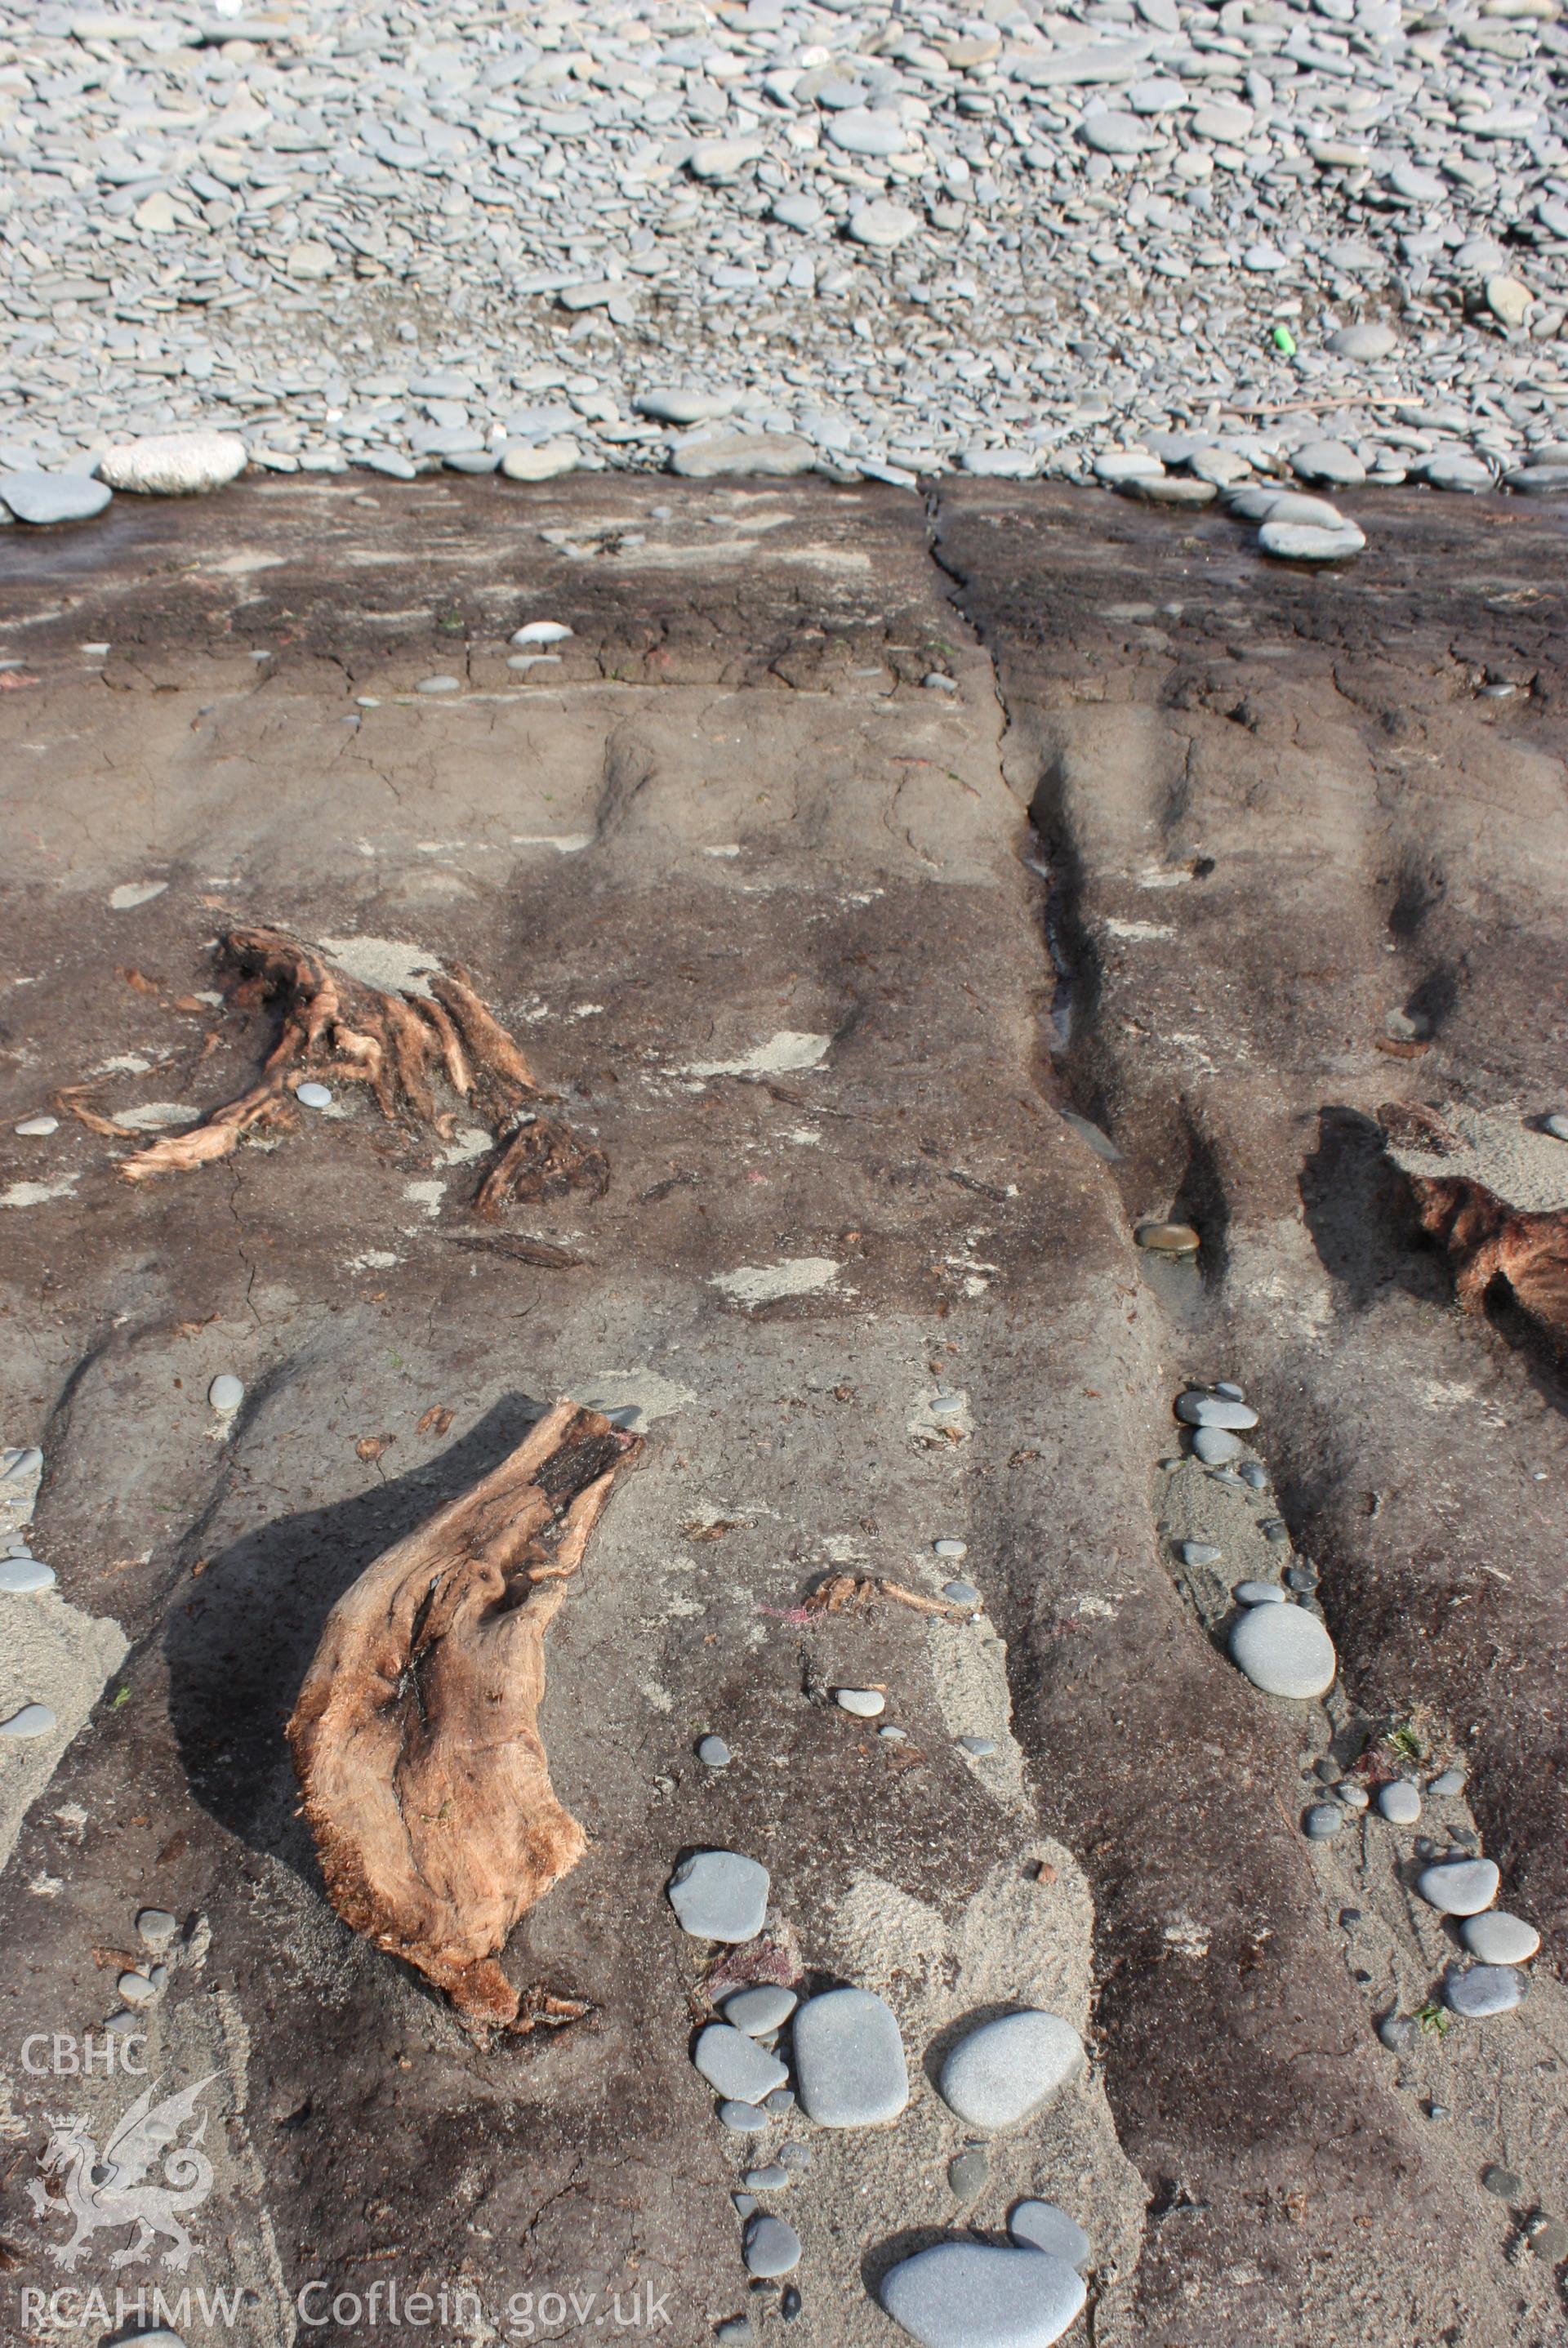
{"x":1007,"y":2068}
{"x":1284,"y":1650}
{"x":865,"y":1703}
{"x":1368,"y":341}
{"x":555,"y":631}
{"x":968,"y":2173}
{"x":135,"y":1988}
{"x":742,"y":2119}
{"x":33,"y":1720}
{"x":1215,"y":1446}
{"x":1105,"y":133}
{"x":37,"y":1129}
{"x":1447,"y":1782}
{"x":1498,"y":1938}
{"x":20,"y":1576}
{"x":1483,"y":1990}
{"x":733,"y":2064}
{"x":1198,"y":1552}
{"x":769,"y":2247}
{"x":714,"y":1753}
{"x":1296,"y":542}
{"x":1401,"y":1803}
{"x":1354,"y":1797}
{"x":1041,"y":2226}
{"x":719,"y":1896}
{"x":1323,"y":1819}
{"x":1195,"y":1408}
{"x":1330,"y":461}
{"x":849,"y":2063}
{"x":311,"y":1094}
{"x":1259,"y":1593}
{"x":1168,"y":1239}
{"x":950,"y":1549}
{"x":226,"y":1392}
{"x":440,"y":684}
{"x":961,"y":1593}
{"x":1460,"y":1887}
{"x":970,"y":2295}
{"x":44,"y":497}
{"x":756,"y":2011}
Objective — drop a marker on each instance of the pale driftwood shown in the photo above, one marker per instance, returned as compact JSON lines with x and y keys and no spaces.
{"x":337,"y":1028}
{"x":415,"y":1736}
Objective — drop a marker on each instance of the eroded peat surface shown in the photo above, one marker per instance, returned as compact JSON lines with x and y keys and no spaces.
{"x":905,"y":907}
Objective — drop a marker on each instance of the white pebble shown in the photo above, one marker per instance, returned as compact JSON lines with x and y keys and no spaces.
{"x":311,"y":1094}
{"x":865,"y":1703}
{"x":226,"y":1393}
{"x":37,"y":1127}
{"x":541,"y":632}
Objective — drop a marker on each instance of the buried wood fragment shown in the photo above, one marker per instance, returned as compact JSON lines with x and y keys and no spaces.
{"x":1495,"y":1192}
{"x":342,"y":1030}
{"x":415,"y":1738}
{"x":843,"y":1589}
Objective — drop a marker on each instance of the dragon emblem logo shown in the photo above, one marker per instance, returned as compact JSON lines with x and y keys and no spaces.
{"x":102,"y":2195}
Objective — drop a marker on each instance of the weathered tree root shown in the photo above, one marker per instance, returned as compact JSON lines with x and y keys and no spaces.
{"x":1517,"y":1230}
{"x":338,"y":1029}
{"x":415,"y":1736}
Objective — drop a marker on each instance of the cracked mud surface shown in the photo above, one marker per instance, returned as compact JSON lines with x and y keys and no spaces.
{"x":1190,"y":830}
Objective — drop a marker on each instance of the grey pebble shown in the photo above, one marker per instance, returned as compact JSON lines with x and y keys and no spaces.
{"x":790,"y":2303}
{"x":973,"y":2295}
{"x":967,"y":2175}
{"x":744,"y":2204}
{"x":735,"y":2066}
{"x":24,"y":1576}
{"x":42,"y":498}
{"x":440,"y":684}
{"x":1502,"y":2181}
{"x":1354,"y":1797}
{"x":961,"y":1593}
{"x":1400,"y":1802}
{"x":32,"y":1720}
{"x":719,"y":1895}
{"x":714,"y":1753}
{"x":1216,"y":1446}
{"x":977,"y":1746}
{"x":757,"y":2010}
{"x":1498,"y":1938}
{"x":1254,"y":1475}
{"x":1259,"y":1593}
{"x":950,"y":1549}
{"x":1483,"y":1990}
{"x":1446,"y":1783}
{"x":999,"y":2073}
{"x":770,"y":2246}
{"x":769,"y":2179}
{"x":782,"y":2102}
{"x":1460,"y":1887}
{"x":797,"y":2156}
{"x":1041,"y":2226}
{"x":742,"y":2119}
{"x":849,"y":2065}
{"x":1198,"y":1552}
{"x":1198,"y":1409}
{"x":1323,"y":1819}
{"x":735,"y":2330}
{"x":1284,"y":1650}
{"x":1397,"y":2032}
